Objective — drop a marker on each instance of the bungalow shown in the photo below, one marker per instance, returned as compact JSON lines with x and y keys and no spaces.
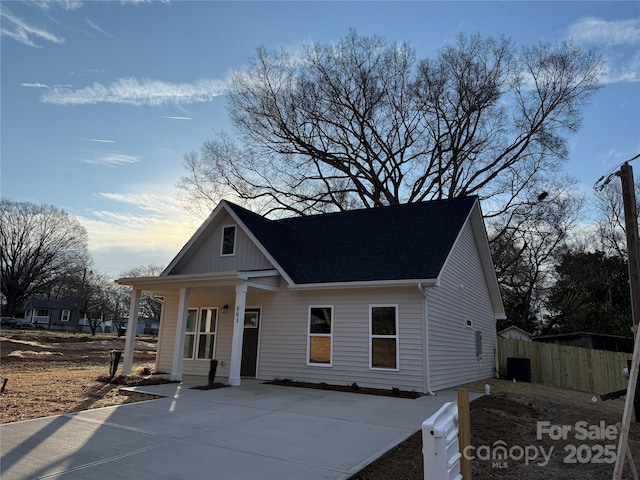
{"x":66,"y":314}
{"x":400,"y":296}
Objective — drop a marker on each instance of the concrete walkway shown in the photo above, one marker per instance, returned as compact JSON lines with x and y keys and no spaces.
{"x":254,"y":431}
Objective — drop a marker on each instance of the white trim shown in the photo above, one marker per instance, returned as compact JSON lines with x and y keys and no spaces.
{"x":309,"y":335}
{"x":396,"y":337}
{"x":196,"y":334}
{"x":259,"y":327}
{"x":62,"y":315}
{"x":235,"y":236}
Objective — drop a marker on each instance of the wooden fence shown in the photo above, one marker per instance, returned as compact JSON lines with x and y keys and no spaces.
{"x":573,"y":368}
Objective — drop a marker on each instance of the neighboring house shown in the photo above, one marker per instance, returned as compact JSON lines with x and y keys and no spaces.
{"x":65,"y":314}
{"x":516,"y":333}
{"x":401,"y":296}
{"x":52,"y":314}
{"x":146,"y":325}
{"x":596,"y":341}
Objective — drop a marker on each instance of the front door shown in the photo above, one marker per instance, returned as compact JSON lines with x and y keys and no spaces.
{"x":250,"y":342}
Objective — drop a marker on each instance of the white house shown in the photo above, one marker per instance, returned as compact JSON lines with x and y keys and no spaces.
{"x":401,"y":296}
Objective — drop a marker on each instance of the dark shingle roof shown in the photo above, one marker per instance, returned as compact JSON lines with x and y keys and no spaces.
{"x":400,"y":242}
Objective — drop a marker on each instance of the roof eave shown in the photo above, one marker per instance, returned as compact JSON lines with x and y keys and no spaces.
{"x":363,"y":284}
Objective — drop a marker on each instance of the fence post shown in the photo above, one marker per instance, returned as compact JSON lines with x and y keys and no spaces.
{"x":464,"y":431}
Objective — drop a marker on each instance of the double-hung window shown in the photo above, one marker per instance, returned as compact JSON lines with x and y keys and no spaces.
{"x":320,"y":338}
{"x":200,"y":333}
{"x":65,"y":316}
{"x":384,"y":337}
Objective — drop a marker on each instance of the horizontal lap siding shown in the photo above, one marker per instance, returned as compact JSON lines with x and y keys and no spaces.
{"x":462,"y":295}
{"x":283,"y":347}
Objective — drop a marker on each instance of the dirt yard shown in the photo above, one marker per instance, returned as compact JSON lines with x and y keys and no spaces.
{"x":50,"y":373}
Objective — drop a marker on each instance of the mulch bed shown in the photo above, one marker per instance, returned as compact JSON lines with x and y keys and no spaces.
{"x":353,"y":388}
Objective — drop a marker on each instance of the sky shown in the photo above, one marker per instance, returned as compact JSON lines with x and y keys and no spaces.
{"x":101,"y":100}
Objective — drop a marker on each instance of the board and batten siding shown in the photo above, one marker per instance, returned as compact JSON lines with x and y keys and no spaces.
{"x":462,"y":295}
{"x":206,"y":258}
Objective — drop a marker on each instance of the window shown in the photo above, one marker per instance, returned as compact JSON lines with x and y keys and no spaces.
{"x":207,"y":333}
{"x":42,"y":313}
{"x":320,"y":337}
{"x":190,"y":334}
{"x":384,"y":337}
{"x":228,"y":240}
{"x":66,"y":315}
{"x":200,"y":333}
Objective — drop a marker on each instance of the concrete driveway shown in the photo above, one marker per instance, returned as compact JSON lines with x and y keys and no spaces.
{"x":254,"y":431}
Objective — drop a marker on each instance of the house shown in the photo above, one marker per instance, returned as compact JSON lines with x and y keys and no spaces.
{"x":596,"y":341}
{"x":515,"y":333}
{"x":65,"y":314}
{"x":52,"y":314}
{"x":400,"y":296}
{"x":145,"y":325}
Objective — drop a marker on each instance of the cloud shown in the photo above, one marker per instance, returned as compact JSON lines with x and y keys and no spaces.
{"x":131,"y":91}
{"x":68,"y":5}
{"x":178,"y":118}
{"x":16,"y":28}
{"x":125,"y":231}
{"x":98,"y":140}
{"x":142,"y":228}
{"x":598,"y":31}
{"x":98,"y":29}
{"x":148,"y":202}
{"x":34,"y":85}
{"x":112,"y":159}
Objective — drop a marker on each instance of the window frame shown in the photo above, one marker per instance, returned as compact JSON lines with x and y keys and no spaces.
{"x":65,"y":318}
{"x":323,"y":335}
{"x":196,"y":334}
{"x":396,"y":336}
{"x":235,"y":236}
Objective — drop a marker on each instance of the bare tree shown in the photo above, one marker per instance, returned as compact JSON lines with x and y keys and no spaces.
{"x":526,"y":248}
{"x":361,"y":123}
{"x":609,"y":223}
{"x":39,"y":244}
{"x":149,"y":306}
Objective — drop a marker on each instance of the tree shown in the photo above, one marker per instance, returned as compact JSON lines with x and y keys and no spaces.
{"x":150,"y":306}
{"x":591,"y":294}
{"x":526,"y":248}
{"x":610,"y":225}
{"x":361,"y":123}
{"x":39,"y":244}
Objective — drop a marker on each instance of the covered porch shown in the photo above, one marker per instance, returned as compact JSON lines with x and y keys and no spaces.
{"x":229,"y":292}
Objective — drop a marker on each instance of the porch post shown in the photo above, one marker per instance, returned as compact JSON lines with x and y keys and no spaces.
{"x":238,"y":332}
{"x":181,"y":326}
{"x":132,"y":326}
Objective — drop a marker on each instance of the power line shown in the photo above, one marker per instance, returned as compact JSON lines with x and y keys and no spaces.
{"x":606,"y":178}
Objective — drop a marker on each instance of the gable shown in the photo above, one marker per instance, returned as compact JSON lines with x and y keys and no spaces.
{"x":204,"y":254}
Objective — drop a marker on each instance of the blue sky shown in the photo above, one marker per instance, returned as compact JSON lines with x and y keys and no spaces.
{"x":101,"y":100}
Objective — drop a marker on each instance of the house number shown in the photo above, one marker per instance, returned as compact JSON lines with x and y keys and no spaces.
{"x":237,"y":313}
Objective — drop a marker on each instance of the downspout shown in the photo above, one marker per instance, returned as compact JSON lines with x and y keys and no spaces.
{"x":428,"y":390}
